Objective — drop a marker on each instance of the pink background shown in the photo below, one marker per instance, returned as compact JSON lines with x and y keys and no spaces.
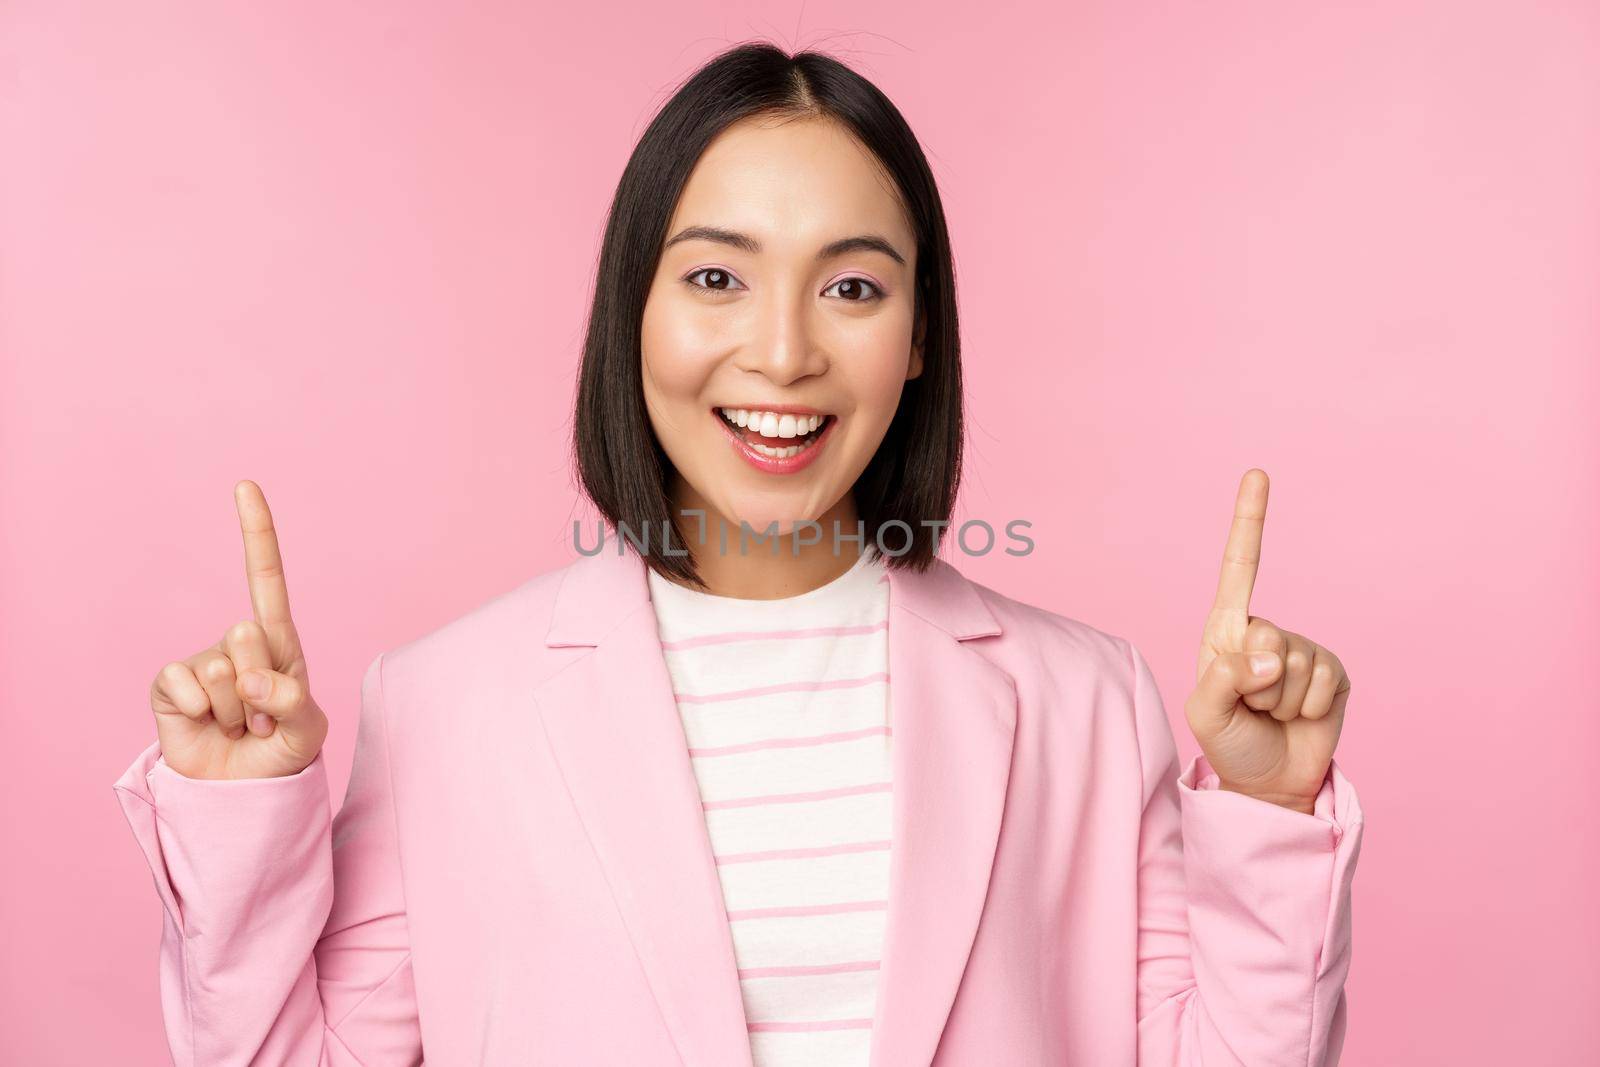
{"x":347,"y":253}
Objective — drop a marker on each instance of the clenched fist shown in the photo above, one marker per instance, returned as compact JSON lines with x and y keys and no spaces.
{"x":242,"y":708}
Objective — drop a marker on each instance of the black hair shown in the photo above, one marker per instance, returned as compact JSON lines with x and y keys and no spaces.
{"x":914,"y":475}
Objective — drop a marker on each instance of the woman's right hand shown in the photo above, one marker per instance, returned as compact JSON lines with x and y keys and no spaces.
{"x":210,"y":722}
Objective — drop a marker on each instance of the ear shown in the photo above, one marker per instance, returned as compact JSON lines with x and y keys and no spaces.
{"x":918,"y":336}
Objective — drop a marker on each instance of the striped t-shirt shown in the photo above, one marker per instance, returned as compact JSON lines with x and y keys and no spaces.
{"x":784,"y":706}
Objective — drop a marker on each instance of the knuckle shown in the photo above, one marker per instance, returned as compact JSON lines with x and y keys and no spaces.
{"x":240,"y":632}
{"x":219,"y":669}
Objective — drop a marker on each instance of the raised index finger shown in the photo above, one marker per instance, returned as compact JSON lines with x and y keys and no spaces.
{"x":1242,"y":556}
{"x":263,"y":564}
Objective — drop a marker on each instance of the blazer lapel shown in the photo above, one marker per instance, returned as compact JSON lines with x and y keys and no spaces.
{"x":614,"y":729}
{"x":953,"y":716}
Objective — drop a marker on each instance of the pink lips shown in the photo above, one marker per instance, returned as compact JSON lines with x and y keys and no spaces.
{"x":775,"y":464}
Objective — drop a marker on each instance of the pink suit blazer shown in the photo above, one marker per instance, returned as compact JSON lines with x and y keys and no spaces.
{"x":520,"y":871}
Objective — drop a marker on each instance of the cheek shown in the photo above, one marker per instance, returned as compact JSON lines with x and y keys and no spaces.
{"x":877,"y":370}
{"x":676,"y":353}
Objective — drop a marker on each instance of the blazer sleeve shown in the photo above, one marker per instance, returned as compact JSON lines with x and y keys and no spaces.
{"x":284,"y":937}
{"x":1244,"y":911}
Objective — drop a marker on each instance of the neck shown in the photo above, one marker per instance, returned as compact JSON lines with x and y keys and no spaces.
{"x":769,"y":567}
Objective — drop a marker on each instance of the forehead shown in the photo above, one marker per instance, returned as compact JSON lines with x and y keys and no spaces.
{"x":793,"y":184}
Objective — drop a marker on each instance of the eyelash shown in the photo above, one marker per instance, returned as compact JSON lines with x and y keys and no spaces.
{"x":878,"y":293}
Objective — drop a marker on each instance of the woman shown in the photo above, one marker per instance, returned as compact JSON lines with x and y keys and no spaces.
{"x":812,"y":800}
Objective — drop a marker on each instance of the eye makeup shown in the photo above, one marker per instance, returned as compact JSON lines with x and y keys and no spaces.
{"x":878,"y":290}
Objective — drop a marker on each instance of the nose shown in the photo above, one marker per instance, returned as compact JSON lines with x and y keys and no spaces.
{"x":783,"y":345}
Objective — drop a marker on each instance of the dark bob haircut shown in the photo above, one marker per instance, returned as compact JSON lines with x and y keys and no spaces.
{"x":914,"y":475}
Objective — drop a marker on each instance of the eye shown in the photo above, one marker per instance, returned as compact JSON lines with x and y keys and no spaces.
{"x":717,"y":280}
{"x":856,"y":284}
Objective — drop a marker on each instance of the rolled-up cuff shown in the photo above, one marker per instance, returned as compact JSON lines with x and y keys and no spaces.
{"x":225,"y":841}
{"x":1335,"y":803}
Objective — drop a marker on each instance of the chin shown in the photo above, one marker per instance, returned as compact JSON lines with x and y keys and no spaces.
{"x":760,"y":520}
{"x":758,"y":515}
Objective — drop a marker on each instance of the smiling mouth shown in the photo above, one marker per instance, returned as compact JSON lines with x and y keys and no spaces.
{"x":775,"y":434}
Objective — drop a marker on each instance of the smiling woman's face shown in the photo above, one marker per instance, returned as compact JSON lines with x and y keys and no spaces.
{"x":768,"y":309}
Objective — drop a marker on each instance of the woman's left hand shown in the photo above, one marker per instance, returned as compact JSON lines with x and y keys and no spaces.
{"x":1270,"y":736}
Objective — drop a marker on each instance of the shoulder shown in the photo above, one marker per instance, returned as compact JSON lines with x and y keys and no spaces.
{"x":507,"y":628}
{"x":1053,"y":647}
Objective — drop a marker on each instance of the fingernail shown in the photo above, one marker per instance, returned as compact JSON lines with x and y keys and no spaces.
{"x":261,"y":724}
{"x":1263,"y":663}
{"x":255,"y":686}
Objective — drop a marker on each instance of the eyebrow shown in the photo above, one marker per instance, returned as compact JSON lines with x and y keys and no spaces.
{"x":866,"y":242}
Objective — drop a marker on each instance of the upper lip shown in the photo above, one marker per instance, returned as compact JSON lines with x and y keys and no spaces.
{"x":776,"y":409}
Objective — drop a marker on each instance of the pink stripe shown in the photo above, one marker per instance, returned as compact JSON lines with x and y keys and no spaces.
{"x":791,"y":742}
{"x":796,"y":1028}
{"x":726,"y":636}
{"x":808,"y":909}
{"x":785,"y":687}
{"x":798,"y":972}
{"x":797,"y":798}
{"x":804,"y":853}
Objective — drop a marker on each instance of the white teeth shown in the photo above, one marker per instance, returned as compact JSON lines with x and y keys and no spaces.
{"x":771,"y":424}
{"x":780,"y":453}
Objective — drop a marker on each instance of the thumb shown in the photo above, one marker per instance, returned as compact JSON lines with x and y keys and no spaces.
{"x":274,"y":694}
{"x":1228,"y":677}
